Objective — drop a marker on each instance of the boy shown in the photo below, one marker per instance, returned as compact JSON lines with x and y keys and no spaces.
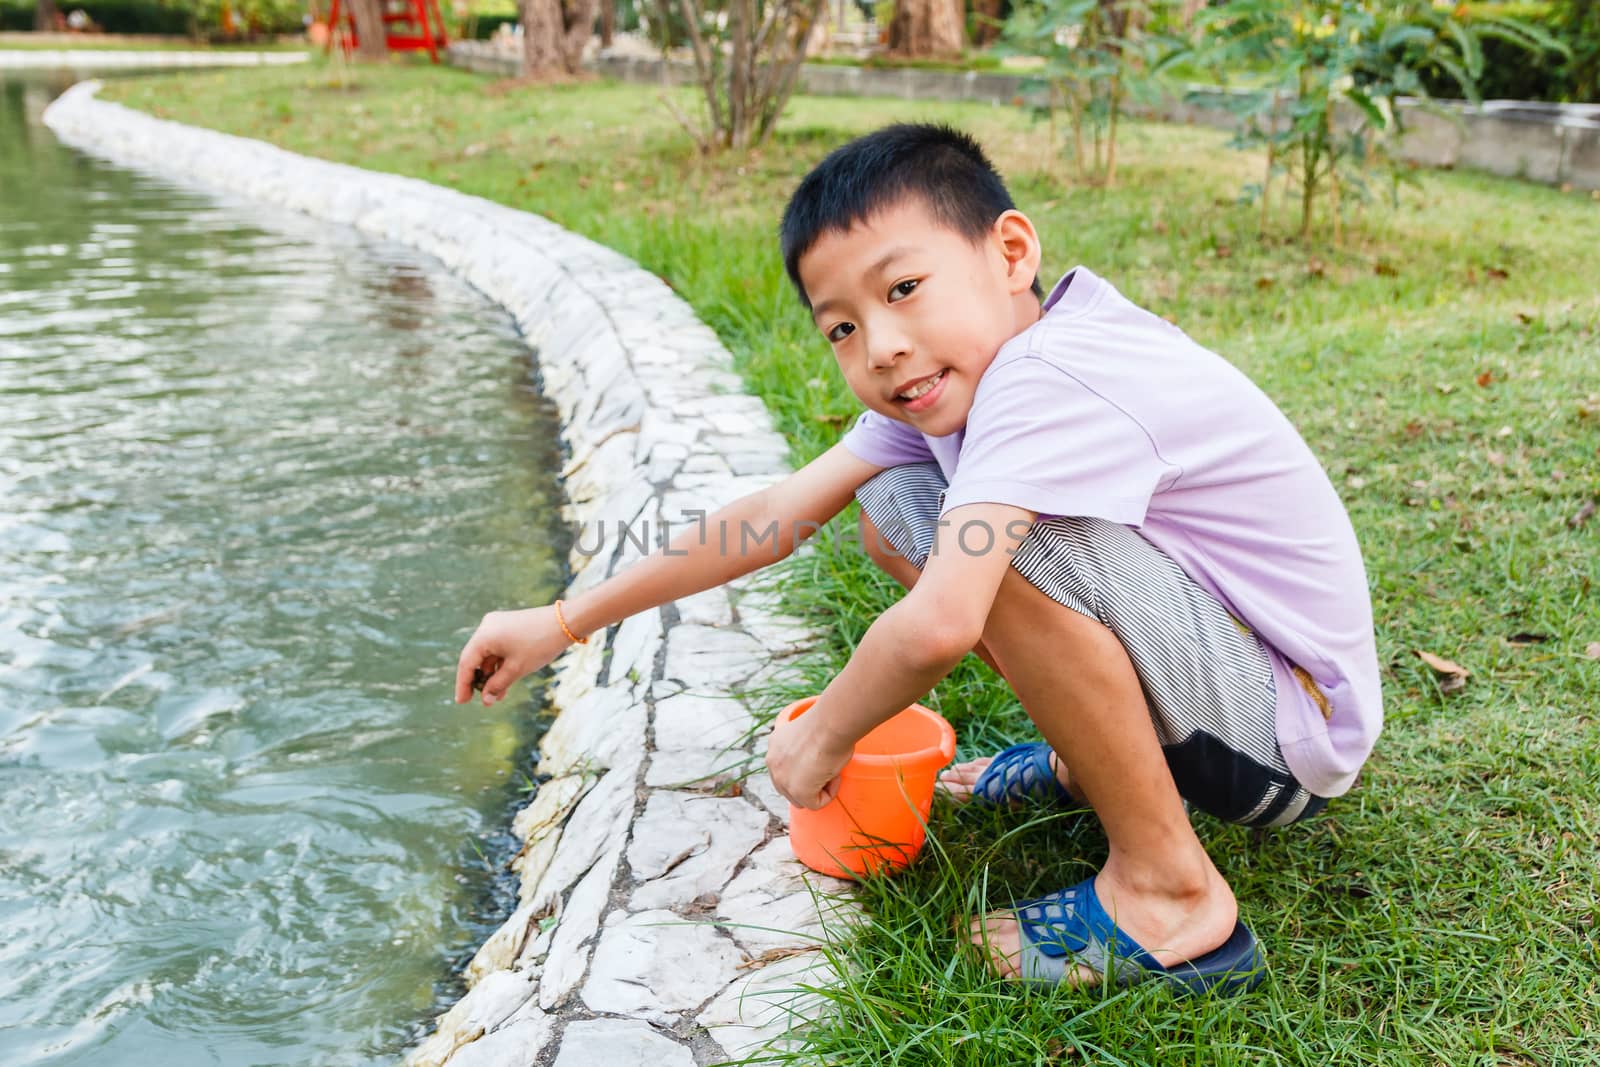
{"x":1113,"y":517}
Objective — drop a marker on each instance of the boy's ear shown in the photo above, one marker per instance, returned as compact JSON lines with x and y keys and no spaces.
{"x":1018,"y":242}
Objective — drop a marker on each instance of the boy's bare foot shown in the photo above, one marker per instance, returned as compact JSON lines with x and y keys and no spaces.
{"x":1174,"y":919}
{"x":958,"y":779}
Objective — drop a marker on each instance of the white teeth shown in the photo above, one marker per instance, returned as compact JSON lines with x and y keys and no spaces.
{"x":922,"y":388}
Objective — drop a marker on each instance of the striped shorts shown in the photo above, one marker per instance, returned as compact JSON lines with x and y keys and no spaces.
{"x":1206,"y":677}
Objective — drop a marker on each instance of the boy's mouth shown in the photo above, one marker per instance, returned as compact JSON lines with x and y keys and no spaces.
{"x":921,"y":389}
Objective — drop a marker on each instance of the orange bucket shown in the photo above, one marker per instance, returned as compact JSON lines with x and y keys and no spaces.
{"x":878,"y":820}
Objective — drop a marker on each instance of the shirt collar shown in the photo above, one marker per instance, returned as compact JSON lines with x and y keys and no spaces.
{"x":1072,"y":291}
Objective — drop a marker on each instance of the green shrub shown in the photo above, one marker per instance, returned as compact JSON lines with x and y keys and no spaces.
{"x":485,"y":25}
{"x":15,"y":16}
{"x":166,"y":17}
{"x":1510,"y":72}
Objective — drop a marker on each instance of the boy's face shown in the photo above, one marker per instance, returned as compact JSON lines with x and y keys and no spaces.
{"x":915,"y":311}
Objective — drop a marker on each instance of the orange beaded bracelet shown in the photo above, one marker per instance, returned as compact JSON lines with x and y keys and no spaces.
{"x":574,"y":638}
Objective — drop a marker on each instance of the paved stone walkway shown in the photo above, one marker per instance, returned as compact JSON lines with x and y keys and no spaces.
{"x":663,"y":917}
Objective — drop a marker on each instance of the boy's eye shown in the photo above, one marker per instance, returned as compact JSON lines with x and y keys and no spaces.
{"x":841,"y":331}
{"x":902,"y":289}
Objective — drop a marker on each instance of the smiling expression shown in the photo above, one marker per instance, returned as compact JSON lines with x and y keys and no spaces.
{"x":915,"y":311}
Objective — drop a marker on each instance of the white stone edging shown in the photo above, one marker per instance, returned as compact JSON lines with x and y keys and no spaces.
{"x":663,"y":917}
{"x":110,"y":59}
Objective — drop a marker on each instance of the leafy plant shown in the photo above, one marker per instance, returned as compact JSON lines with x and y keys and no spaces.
{"x":1097,"y":54}
{"x":1335,"y":70}
{"x":747,"y":55}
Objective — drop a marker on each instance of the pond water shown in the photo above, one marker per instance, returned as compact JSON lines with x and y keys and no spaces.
{"x":260,"y":479}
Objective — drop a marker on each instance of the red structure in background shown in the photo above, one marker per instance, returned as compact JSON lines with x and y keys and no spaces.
{"x":409,"y":26}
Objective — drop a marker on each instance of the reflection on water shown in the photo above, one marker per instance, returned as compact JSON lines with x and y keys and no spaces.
{"x":260,"y":478}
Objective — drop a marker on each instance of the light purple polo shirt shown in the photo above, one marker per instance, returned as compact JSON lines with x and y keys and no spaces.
{"x":1103,"y":409}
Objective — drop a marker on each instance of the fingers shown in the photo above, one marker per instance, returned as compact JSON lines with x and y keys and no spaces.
{"x":474,"y":670}
{"x":466,"y":669}
{"x":504,"y":674}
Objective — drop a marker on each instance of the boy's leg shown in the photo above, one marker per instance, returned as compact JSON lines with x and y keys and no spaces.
{"x":1134,"y":674}
{"x":1078,"y":685}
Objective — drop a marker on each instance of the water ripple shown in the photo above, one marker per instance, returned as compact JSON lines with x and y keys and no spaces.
{"x":260,"y":478}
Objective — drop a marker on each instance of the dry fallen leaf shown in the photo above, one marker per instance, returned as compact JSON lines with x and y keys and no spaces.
{"x":1592,"y":650}
{"x":1496,"y":273}
{"x":1583,"y":515}
{"x":1452,"y":676}
{"x":1485,"y":378}
{"x":1385,"y":269}
{"x":1522,"y":640}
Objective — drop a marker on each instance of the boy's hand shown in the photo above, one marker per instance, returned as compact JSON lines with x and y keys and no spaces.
{"x":804,"y":764}
{"x":507,"y":645}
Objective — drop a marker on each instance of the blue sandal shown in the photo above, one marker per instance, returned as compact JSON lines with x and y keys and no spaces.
{"x":1022,"y":772}
{"x":1070,"y":927}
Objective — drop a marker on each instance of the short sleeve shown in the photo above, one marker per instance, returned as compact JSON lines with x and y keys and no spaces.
{"x":1039,"y":438}
{"x":884,"y":442}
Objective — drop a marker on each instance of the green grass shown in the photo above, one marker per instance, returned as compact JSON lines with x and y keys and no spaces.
{"x":1444,"y":911}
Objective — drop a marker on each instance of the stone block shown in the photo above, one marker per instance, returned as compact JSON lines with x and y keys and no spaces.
{"x":1431,"y":138}
{"x":1512,"y":147}
{"x":686,"y":845}
{"x":503,"y":947}
{"x":619,"y":1043}
{"x":1582,"y":164}
{"x":688,"y":720}
{"x":760,"y":1006}
{"x":516,"y":1044}
{"x":599,"y":824}
{"x":654,"y":964}
{"x":605,"y":728}
{"x":777,"y":903}
{"x":695,"y":770}
{"x":489,"y":1003}
{"x":633,"y":651}
{"x":550,"y":806}
{"x":706,"y":658}
{"x":579,"y":919}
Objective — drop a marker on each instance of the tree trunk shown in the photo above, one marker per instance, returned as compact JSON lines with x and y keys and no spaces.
{"x":925,"y":28}
{"x":45,"y":16}
{"x":608,"y":22}
{"x":578,"y":18}
{"x":371,"y":42}
{"x":553,"y":35}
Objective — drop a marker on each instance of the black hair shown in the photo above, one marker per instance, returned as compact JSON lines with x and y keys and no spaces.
{"x":939,"y":164}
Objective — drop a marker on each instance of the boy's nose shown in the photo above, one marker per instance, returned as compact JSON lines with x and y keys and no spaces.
{"x":885,"y":349}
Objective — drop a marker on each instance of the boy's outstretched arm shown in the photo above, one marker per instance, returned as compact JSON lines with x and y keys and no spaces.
{"x":509,"y":644}
{"x":904,"y":653}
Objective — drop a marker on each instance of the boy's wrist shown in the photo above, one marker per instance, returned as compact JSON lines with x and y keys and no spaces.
{"x":826,"y":731}
{"x":576,"y":613}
